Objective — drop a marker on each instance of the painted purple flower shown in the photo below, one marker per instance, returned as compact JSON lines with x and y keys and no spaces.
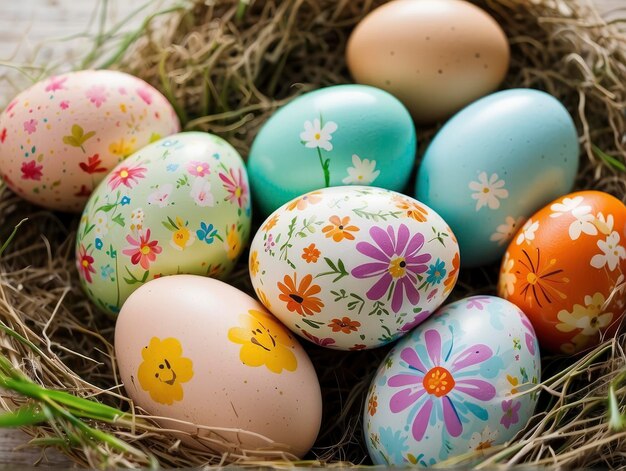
{"x":529,"y":335}
{"x":478,"y":302}
{"x":510,"y":416}
{"x":419,"y":318}
{"x":269,"y":243}
{"x":439,"y":380}
{"x":397,"y":264}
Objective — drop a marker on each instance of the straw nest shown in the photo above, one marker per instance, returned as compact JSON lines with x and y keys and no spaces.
{"x":226,"y":65}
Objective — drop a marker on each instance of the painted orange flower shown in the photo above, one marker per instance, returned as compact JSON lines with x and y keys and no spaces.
{"x":411,"y":209}
{"x":372,"y":404}
{"x":310,"y":254}
{"x":271,"y":222}
{"x":344,"y":325}
{"x":450,"y":281}
{"x":339,"y":229}
{"x":539,"y":279}
{"x":303,"y":201}
{"x":300,"y":298}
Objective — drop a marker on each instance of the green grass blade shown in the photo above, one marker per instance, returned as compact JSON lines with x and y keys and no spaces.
{"x":609,"y":160}
{"x":8,"y":241}
{"x":616,"y":420}
{"x":28,"y":414}
{"x":79,"y":405}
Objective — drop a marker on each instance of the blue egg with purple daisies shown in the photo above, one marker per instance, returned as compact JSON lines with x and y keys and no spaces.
{"x":461,"y":382}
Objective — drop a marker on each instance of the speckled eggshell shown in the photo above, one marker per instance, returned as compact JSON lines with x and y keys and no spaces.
{"x":340,"y":135}
{"x":495,"y":163}
{"x":195,"y":349}
{"x":565,"y":269}
{"x":179,"y":205}
{"x":436,"y":56}
{"x":353,"y":267}
{"x":59,"y":138}
{"x":461,"y":382}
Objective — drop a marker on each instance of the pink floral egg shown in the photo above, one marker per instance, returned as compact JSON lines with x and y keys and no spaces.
{"x":353,"y":267}
{"x":460,"y":383}
{"x":59,"y":138}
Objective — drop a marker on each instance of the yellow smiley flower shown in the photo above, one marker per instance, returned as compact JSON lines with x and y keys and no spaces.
{"x":264,"y":342}
{"x":164,"y":369}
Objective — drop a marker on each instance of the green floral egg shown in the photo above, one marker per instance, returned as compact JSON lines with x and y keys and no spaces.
{"x":179,"y":205}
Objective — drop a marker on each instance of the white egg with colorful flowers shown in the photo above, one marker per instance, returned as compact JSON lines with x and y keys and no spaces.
{"x":353,"y":267}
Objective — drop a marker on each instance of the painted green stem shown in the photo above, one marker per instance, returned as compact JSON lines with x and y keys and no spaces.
{"x":325,"y":167}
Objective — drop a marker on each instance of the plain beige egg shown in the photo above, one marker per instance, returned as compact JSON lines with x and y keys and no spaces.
{"x":435,"y":56}
{"x":197,"y":350}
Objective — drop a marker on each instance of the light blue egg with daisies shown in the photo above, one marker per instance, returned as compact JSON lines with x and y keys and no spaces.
{"x":340,"y":135}
{"x":495,"y":163}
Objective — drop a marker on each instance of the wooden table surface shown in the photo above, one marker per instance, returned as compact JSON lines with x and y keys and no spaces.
{"x":24,"y":26}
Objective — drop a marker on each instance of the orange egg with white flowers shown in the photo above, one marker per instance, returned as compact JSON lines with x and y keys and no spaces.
{"x":565,"y":269}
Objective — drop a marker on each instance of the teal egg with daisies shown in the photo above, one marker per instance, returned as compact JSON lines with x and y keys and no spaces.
{"x":494,"y":164}
{"x":340,"y":135}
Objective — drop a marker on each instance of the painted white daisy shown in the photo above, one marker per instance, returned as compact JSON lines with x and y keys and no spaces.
{"x":584,"y":222}
{"x":314,"y":135}
{"x":611,"y":254}
{"x":505,"y":232}
{"x":566,"y":206}
{"x":488,"y":191}
{"x":363,"y":171}
{"x":528,"y":232}
{"x":161,"y":196}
